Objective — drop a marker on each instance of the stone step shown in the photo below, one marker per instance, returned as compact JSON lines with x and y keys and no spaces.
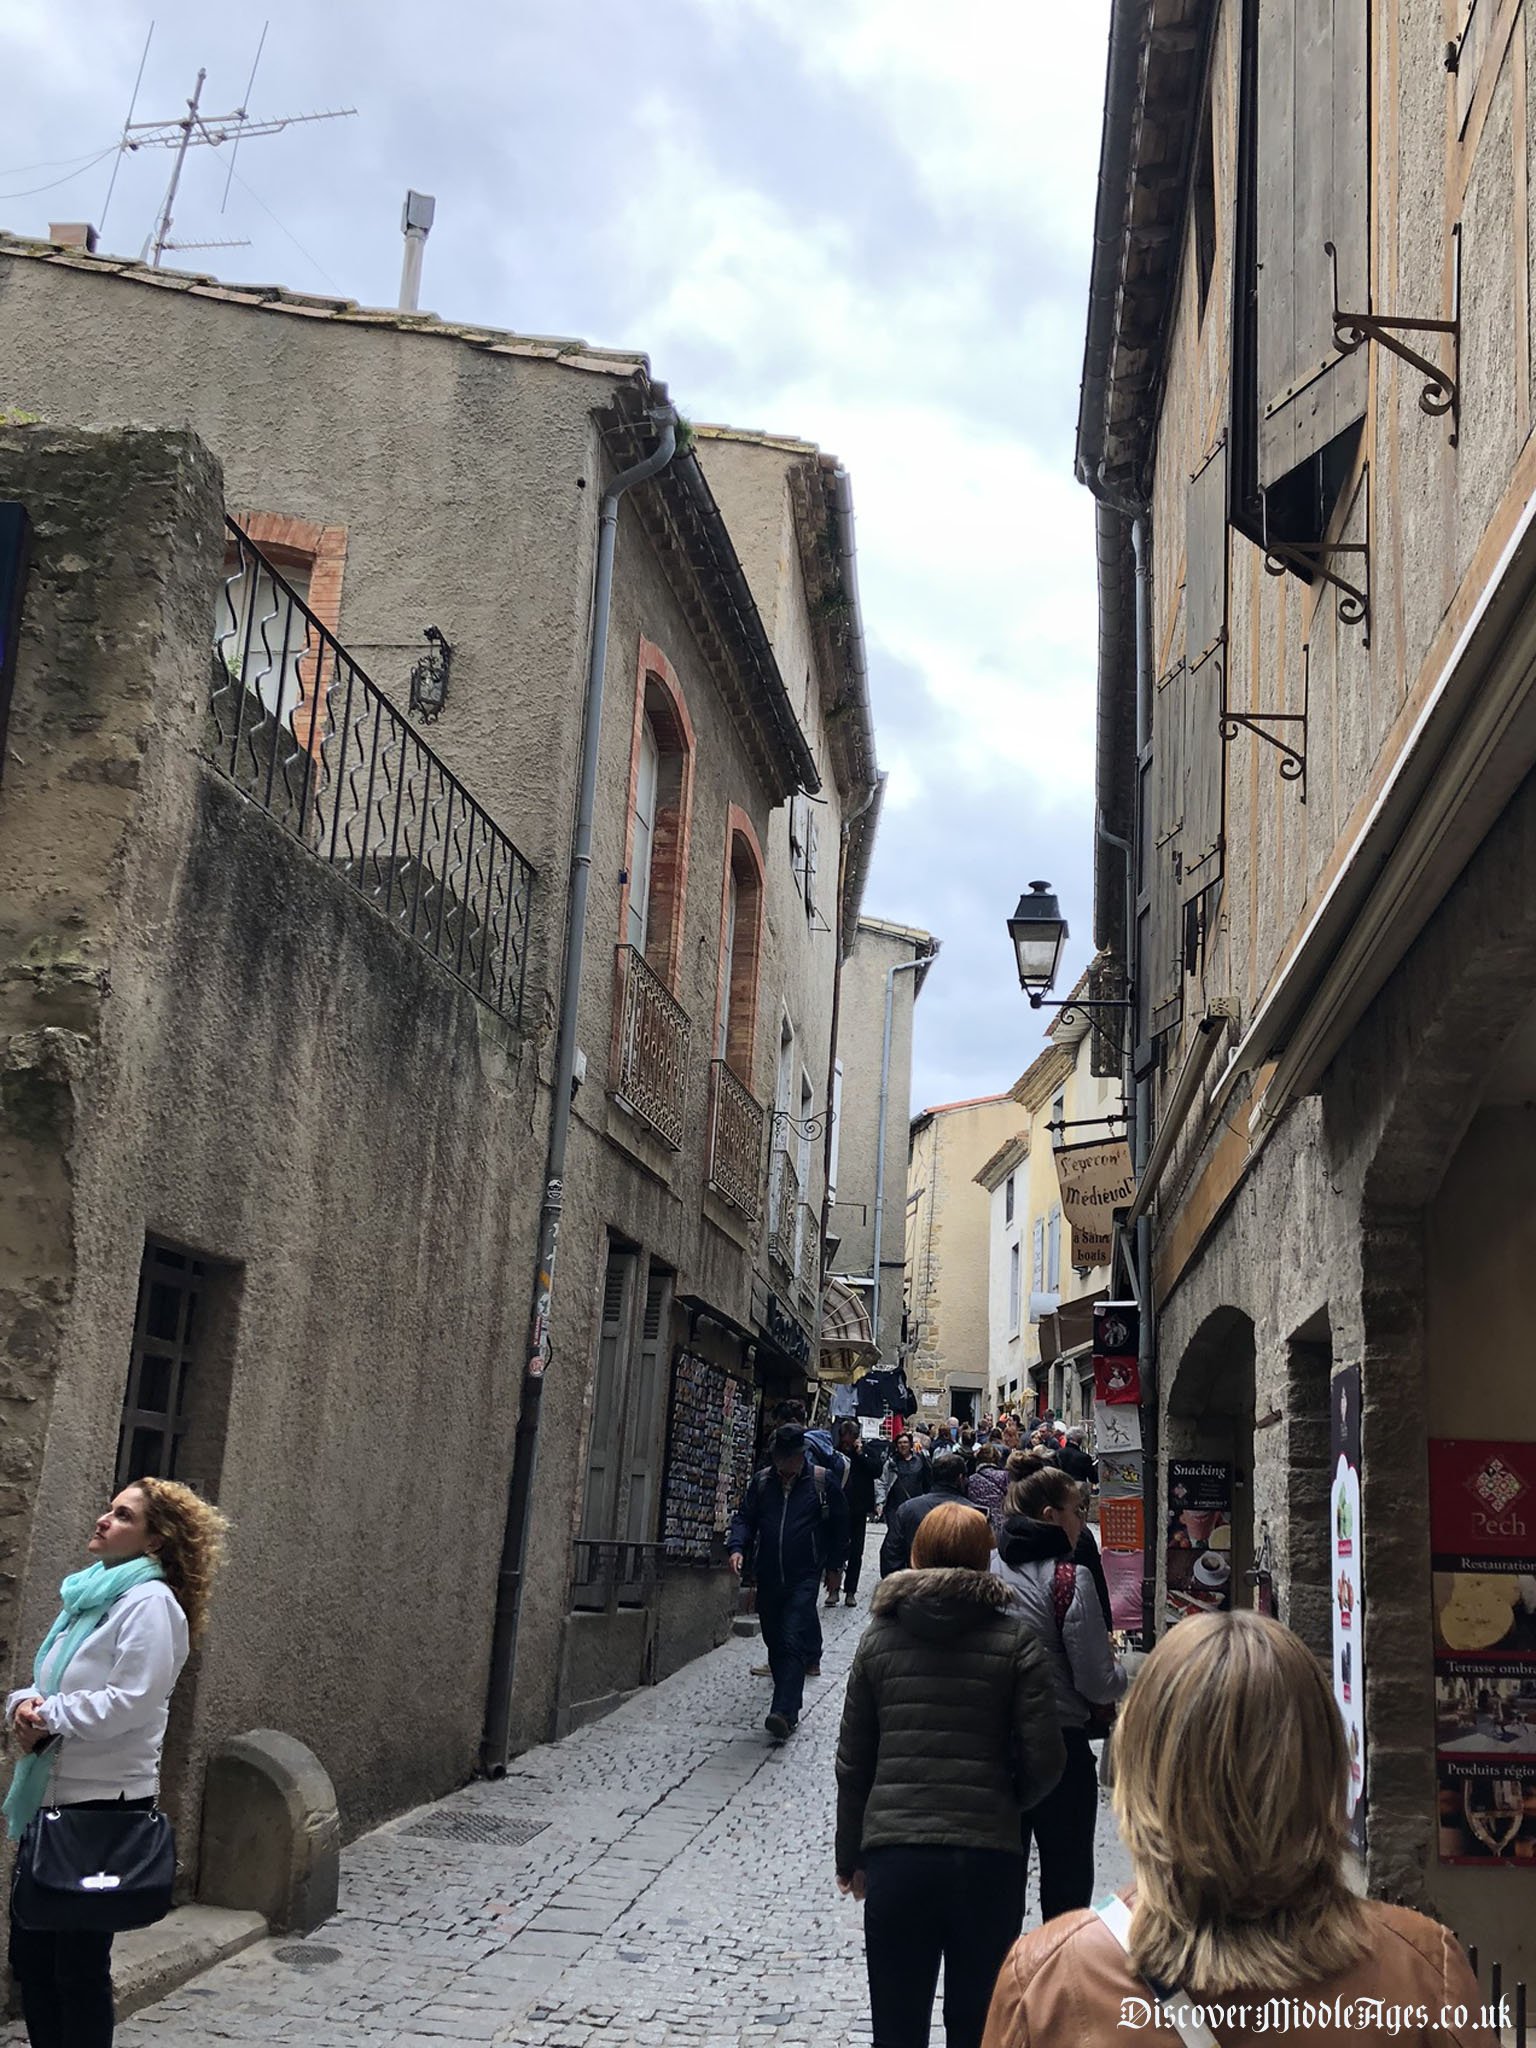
{"x":148,"y":1962}
{"x":746,"y":1625}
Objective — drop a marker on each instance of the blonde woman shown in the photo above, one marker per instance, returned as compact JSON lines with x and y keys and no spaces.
{"x":91,"y":1726}
{"x":1230,"y":1780}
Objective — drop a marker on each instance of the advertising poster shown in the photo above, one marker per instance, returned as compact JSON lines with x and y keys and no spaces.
{"x":1114,"y":1430}
{"x":1116,"y":1341}
{"x":1347,"y":1572}
{"x":1122,"y":1571}
{"x":1199,"y":1536}
{"x":1120,"y":1474}
{"x":1122,"y":1525}
{"x":1482,"y":1529}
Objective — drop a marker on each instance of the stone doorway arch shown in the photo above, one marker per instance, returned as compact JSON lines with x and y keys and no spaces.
{"x":1209,"y":1414}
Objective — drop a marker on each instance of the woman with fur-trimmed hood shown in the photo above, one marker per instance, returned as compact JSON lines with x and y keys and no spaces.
{"x":950,"y":1731}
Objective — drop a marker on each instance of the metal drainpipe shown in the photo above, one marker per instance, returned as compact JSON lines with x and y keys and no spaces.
{"x":496,"y":1744}
{"x":1146,"y":1356}
{"x":844,"y":836}
{"x":877,"y":1260}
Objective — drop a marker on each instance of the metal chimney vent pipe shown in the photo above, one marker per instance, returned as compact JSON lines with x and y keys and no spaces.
{"x":415,"y":224}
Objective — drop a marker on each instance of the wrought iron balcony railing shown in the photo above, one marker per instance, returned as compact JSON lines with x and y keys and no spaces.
{"x":782,"y":1238}
{"x":808,"y":1263}
{"x":302,"y":730}
{"x":651,"y":1052}
{"x":736,"y":1120}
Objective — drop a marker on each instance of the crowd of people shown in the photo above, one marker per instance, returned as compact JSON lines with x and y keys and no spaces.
{"x":986,"y":1678}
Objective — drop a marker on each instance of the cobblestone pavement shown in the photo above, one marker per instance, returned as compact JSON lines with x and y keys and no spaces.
{"x":678,"y":1889}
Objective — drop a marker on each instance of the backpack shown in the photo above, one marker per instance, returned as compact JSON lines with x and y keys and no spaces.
{"x":817,"y":1473}
{"x":1063,"y":1591}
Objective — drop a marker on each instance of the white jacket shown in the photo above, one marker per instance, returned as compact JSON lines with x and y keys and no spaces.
{"x":114,"y":1700}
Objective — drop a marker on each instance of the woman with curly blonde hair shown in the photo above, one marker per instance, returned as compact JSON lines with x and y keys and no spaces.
{"x":1231,"y":1773}
{"x":91,"y":1725}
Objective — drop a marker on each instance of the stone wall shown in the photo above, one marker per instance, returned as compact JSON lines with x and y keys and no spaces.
{"x":211,"y":1039}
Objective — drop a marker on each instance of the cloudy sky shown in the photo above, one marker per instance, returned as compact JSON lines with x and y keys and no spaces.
{"x":866,"y":222}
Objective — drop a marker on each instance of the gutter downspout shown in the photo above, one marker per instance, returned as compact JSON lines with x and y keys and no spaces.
{"x":496,"y":1743}
{"x":837,"y":1011}
{"x":1141,"y":1109}
{"x":877,"y":1260}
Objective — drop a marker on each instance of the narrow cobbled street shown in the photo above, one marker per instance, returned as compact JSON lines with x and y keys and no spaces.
{"x":661,"y":1876}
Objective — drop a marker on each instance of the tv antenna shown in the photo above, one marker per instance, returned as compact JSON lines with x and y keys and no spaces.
{"x":195,"y":129}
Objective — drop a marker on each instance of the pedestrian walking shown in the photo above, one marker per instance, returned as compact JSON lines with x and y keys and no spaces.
{"x":1073,"y":1458}
{"x":1011,"y":1437}
{"x":1059,"y":1604}
{"x":1020,"y":1464}
{"x":907,"y":1474}
{"x":1230,"y":1786}
{"x":987,"y":1487}
{"x":90,"y":1727}
{"x":947,"y":1483}
{"x":864,"y":1469}
{"x":949,"y":1732}
{"x":793,"y":1524}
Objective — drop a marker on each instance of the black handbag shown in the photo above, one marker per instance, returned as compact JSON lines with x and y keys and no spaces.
{"x":94,"y":1870}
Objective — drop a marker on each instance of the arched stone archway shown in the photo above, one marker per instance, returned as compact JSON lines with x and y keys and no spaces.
{"x":1209,"y":1414}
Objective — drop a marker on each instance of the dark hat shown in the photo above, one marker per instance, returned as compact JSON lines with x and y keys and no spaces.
{"x":788,"y":1440}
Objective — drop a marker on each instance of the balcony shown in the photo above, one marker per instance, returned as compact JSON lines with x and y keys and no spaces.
{"x":650,"y":1068}
{"x":736,"y":1120}
{"x":784,"y":1233}
{"x":301,"y":730}
{"x":808,"y":1263}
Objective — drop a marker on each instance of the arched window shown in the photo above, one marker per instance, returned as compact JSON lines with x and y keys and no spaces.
{"x":661,"y":786}
{"x":741,"y":938}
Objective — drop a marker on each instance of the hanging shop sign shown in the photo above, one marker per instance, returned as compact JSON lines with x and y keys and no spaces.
{"x":1347,"y":1572}
{"x":1095,"y":1180}
{"x":786,"y":1333}
{"x":1482,"y":1539}
{"x":1199,"y":1536}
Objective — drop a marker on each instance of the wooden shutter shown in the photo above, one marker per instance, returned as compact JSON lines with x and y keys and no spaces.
{"x":602,"y":1495}
{"x":1205,"y":633}
{"x":1053,"y":1254}
{"x":1312,"y":189}
{"x":1037,"y":1262}
{"x":644,"y":1427}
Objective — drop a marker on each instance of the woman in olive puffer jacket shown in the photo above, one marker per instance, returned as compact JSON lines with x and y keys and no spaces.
{"x":949,"y":1733}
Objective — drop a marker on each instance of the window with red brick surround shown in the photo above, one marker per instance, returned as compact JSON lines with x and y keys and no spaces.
{"x":741,"y":947}
{"x":313,"y":558}
{"x":659,"y":703}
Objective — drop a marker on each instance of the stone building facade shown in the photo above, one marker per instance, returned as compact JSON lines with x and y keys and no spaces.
{"x":404,"y":474}
{"x":1036,"y":1282}
{"x":947,"y":1249}
{"x":1321,"y":744}
{"x":878,"y":948}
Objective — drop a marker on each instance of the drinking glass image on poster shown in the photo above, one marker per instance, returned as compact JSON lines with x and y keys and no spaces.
{"x":1482,"y":1509}
{"x":1199,"y":1537}
{"x":1348,"y":1580}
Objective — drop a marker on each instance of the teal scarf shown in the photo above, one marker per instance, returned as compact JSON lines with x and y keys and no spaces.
{"x":87,"y":1596}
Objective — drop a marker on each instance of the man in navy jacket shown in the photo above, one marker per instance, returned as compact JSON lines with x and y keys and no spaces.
{"x":793,"y":1523}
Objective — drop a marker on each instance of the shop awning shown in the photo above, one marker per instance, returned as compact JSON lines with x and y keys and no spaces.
{"x":847,"y":1351}
{"x":1065,"y":1331}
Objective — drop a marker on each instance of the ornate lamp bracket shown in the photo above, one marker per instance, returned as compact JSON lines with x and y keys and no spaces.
{"x":1442,"y":388}
{"x":810,"y":1128}
{"x":1286,"y":731}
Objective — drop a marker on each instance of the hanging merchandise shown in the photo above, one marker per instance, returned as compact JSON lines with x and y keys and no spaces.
{"x":1115,"y":1429}
{"x":1482,"y":1539}
{"x":1116,"y":1342}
